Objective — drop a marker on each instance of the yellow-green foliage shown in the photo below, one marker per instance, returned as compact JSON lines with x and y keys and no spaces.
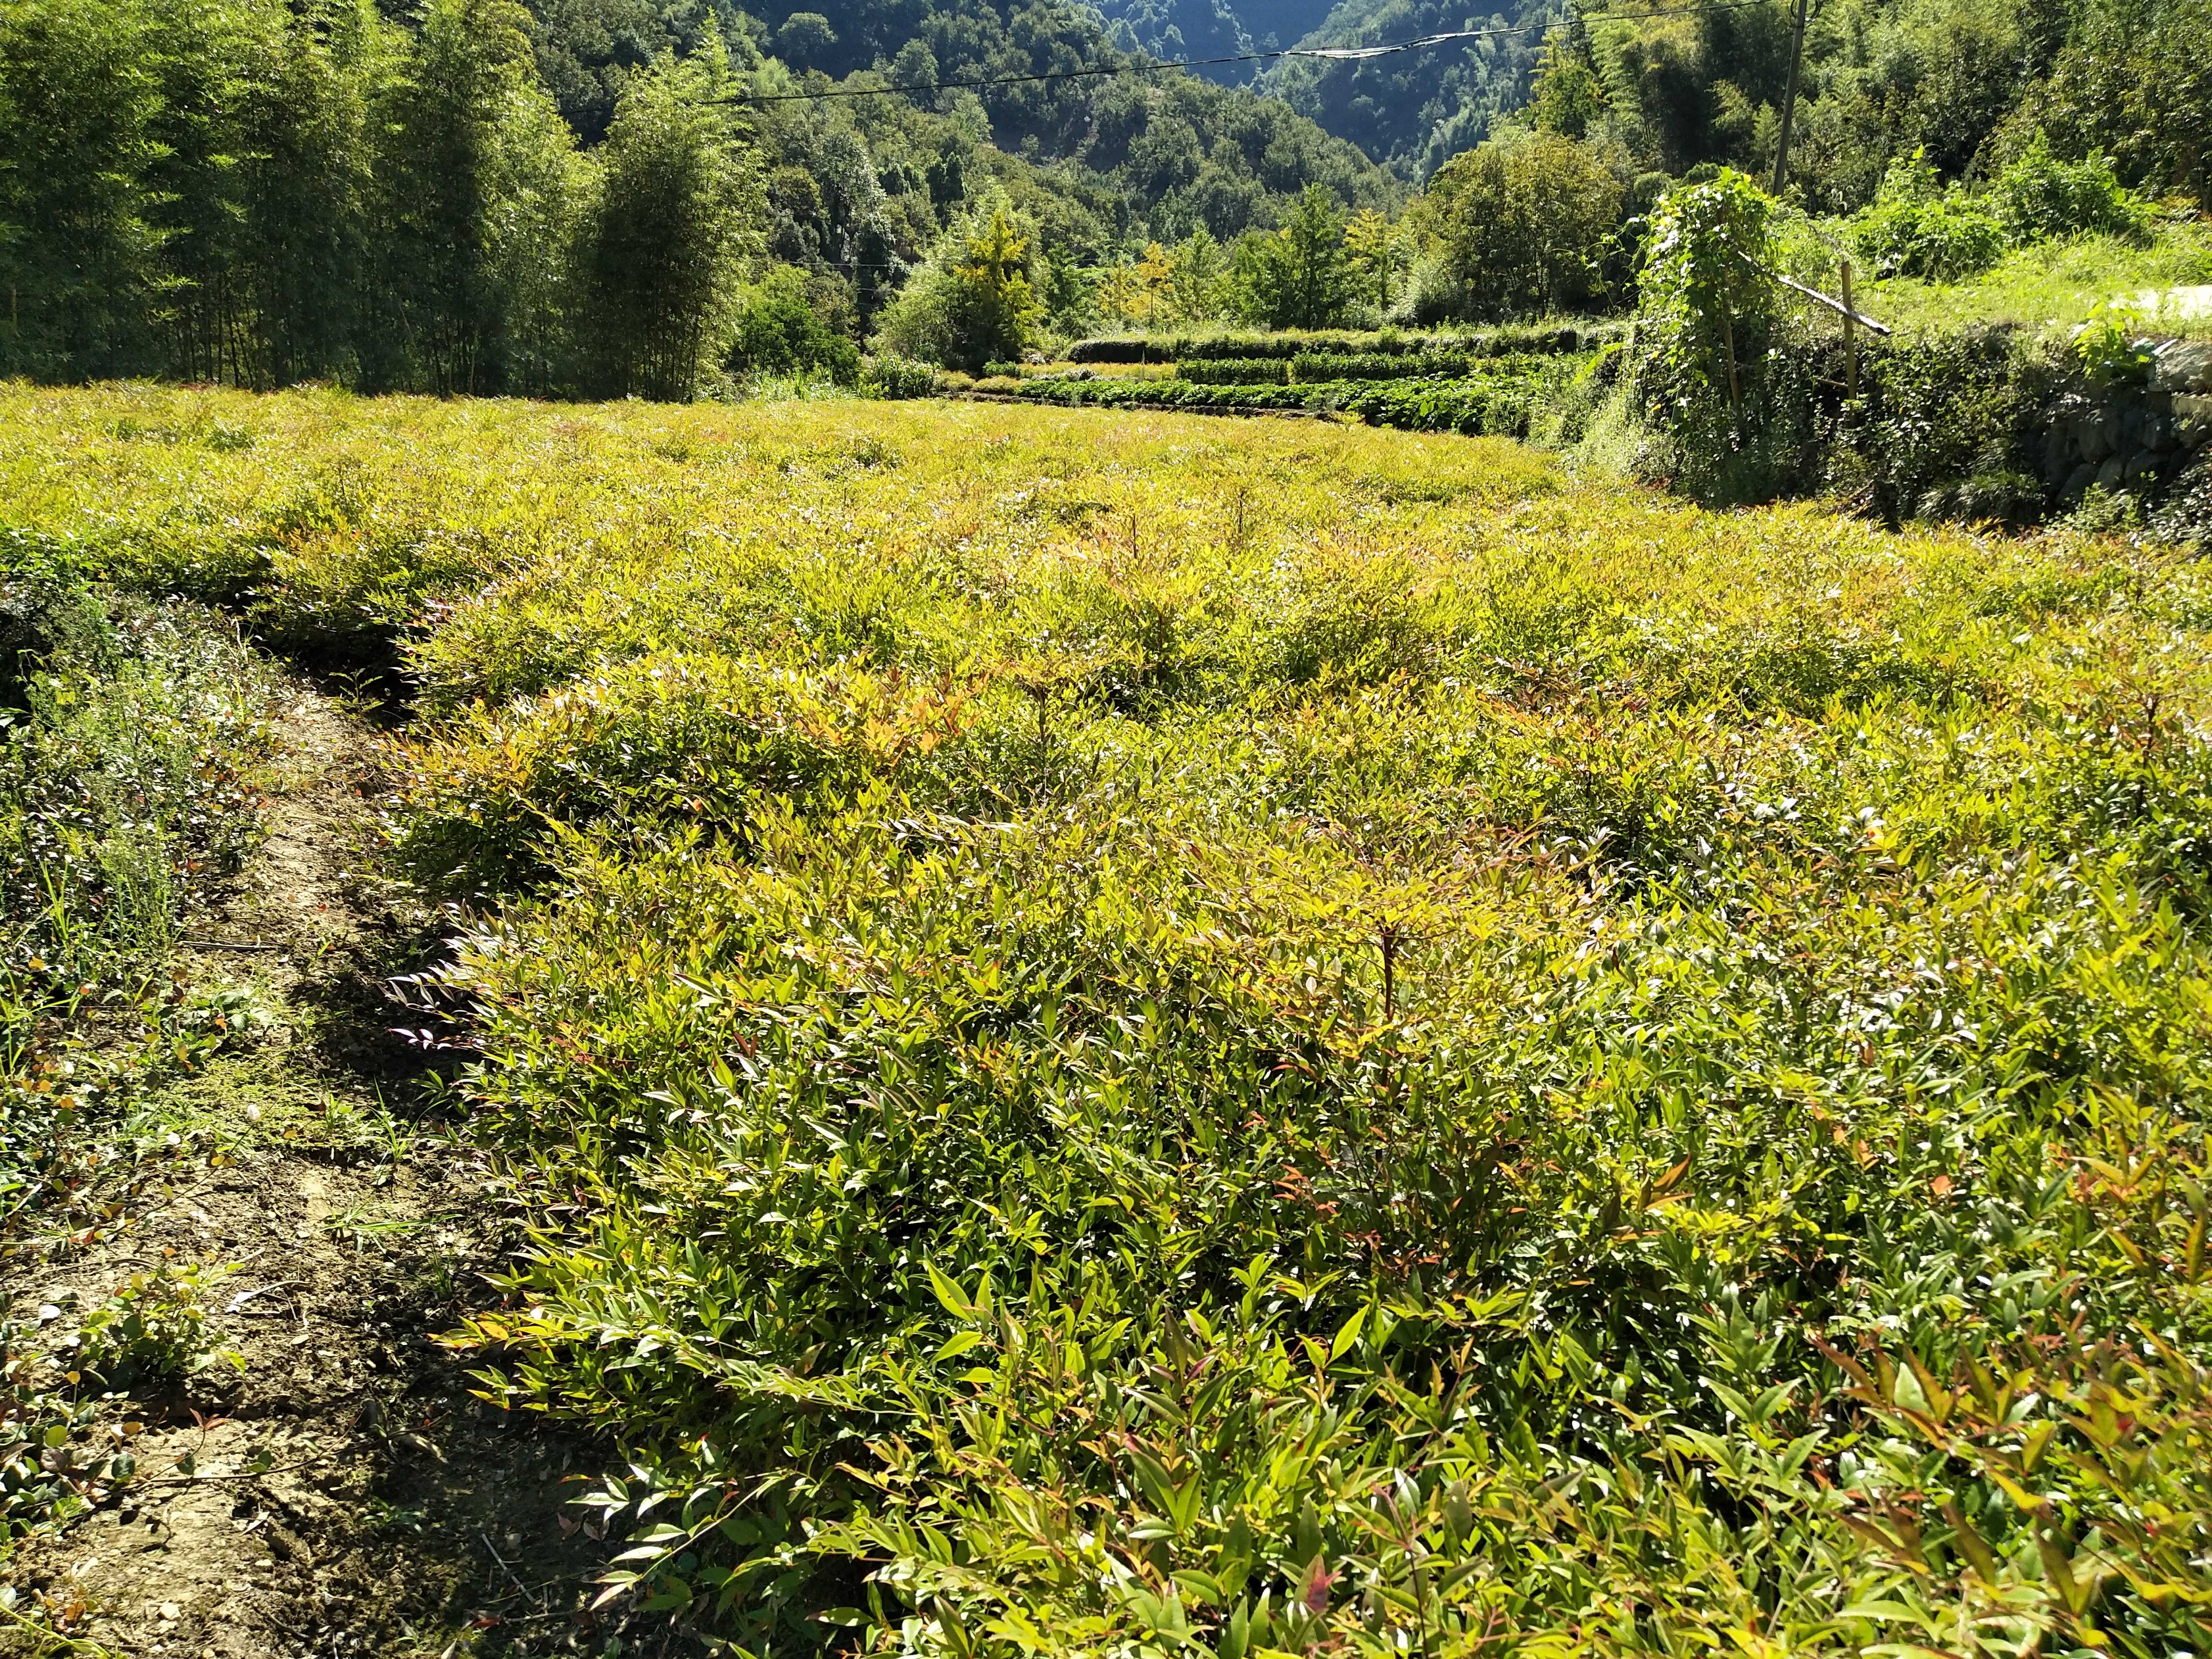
{"x":1148,"y":1036}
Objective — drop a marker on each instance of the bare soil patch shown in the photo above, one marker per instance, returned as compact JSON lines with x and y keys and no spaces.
{"x":337,"y":1490}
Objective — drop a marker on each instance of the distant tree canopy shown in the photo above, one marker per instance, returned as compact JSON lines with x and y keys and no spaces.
{"x":483,"y":198}
{"x":1522,"y":225}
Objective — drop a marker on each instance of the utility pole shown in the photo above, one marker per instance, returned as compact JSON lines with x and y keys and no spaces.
{"x":1790,"y":101}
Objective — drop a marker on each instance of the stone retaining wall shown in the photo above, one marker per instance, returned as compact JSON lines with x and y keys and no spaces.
{"x":2138,"y":435}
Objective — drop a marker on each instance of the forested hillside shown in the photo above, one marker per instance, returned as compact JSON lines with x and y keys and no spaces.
{"x":1704,"y":84}
{"x":1163,"y":142}
{"x":1209,"y":28}
{"x":1413,"y":111}
{"x":477,"y":198}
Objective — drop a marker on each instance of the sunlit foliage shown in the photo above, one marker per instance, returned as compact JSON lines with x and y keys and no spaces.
{"x":1128,"y":1035}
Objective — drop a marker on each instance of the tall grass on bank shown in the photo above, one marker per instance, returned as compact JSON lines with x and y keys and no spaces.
{"x":133,"y":735}
{"x":1139,"y":1035}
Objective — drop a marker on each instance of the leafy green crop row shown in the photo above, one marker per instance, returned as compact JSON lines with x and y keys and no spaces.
{"x":1536,"y":338}
{"x":1498,"y":398}
{"x":1142,"y":1036}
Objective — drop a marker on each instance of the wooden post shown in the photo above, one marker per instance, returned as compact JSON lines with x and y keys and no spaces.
{"x":1790,"y":103}
{"x":1850,"y":338}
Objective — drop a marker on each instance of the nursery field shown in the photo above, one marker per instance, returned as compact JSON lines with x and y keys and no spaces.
{"x":1126,"y":1034}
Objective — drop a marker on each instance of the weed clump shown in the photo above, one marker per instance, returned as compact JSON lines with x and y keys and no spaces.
{"x":154,"y":1329}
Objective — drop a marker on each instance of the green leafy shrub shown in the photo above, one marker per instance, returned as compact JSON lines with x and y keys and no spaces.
{"x":1511,"y":340}
{"x":2039,"y":196}
{"x":1917,"y":229}
{"x":154,"y":1329}
{"x":45,"y":1478}
{"x":890,"y":376}
{"x":2108,"y":344}
{"x":1381,"y":366}
{"x":703,"y":738}
{"x":776,"y":330}
{"x":1499,"y":398}
{"x":1711,"y":370}
{"x":1951,"y":426}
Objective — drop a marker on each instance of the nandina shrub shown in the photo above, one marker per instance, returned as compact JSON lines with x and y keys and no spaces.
{"x":1447,"y":1057}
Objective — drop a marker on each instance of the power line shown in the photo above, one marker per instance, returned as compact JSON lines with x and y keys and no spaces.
{"x":1145,"y":66}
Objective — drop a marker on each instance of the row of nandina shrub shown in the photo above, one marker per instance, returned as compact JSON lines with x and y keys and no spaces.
{"x":1311,"y":366}
{"x":1129,"y":1041}
{"x":1501,"y":400}
{"x":1486,"y":343}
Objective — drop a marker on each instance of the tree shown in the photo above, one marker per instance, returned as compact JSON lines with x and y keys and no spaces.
{"x":473,"y":168}
{"x":1298,"y":277}
{"x":805,"y":39}
{"x":1198,"y":273}
{"x":2137,"y":88}
{"x":302,"y":185}
{"x":79,"y":244}
{"x":258,"y":179}
{"x":208,"y":56}
{"x":1137,"y":291}
{"x":1376,"y":249}
{"x":1523,"y":225}
{"x":679,"y":206}
{"x":1568,"y":96}
{"x":974,"y":302}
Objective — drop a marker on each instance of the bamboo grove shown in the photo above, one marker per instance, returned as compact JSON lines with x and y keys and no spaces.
{"x":257,"y":194}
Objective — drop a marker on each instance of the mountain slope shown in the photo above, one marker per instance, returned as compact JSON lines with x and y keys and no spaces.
{"x":1174,"y":30}
{"x":1146,"y":153}
{"x":1413,"y":110}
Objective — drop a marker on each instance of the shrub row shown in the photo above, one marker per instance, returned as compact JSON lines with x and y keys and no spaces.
{"x":1312,"y":367}
{"x":1499,"y":402}
{"x":1488,"y":343}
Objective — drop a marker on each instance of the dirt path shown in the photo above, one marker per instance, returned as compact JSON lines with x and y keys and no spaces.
{"x":337,"y":1491}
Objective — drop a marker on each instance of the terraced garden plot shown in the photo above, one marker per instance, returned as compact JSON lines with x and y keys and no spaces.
{"x":1127,"y":1033}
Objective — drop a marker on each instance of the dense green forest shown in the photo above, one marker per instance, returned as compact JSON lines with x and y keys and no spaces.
{"x":601,"y":198}
{"x":1705,"y":84}
{"x":477,"y":198}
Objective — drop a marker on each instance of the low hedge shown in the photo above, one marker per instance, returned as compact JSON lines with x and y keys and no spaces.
{"x":1496,"y":404}
{"x":1236,"y":371}
{"x":1320,"y":368}
{"x":1486,"y":343}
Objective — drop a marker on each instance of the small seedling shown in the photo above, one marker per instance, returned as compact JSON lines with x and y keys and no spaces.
{"x":154,"y":1329}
